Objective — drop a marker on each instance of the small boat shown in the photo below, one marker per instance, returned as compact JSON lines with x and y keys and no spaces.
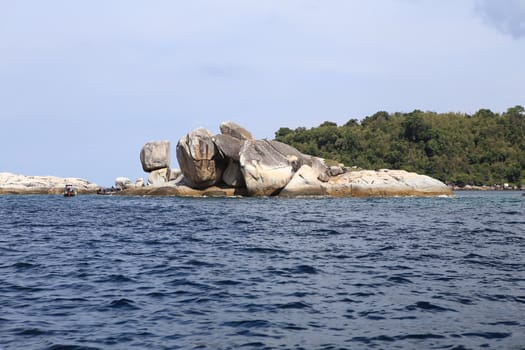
{"x":69,"y":191}
{"x":107,"y":191}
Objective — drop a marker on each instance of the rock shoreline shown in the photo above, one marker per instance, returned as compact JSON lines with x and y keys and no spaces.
{"x":21,"y":184}
{"x":487,"y":188}
{"x":338,"y":187}
{"x":234,"y":163}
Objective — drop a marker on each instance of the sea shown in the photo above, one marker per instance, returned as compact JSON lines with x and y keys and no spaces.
{"x":112,"y":272}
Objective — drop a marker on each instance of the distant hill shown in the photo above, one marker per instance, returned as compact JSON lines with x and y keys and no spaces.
{"x":485,"y":148}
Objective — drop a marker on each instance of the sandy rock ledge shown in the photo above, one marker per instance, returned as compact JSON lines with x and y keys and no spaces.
{"x":21,"y":184}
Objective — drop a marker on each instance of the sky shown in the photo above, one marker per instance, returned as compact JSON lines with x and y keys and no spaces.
{"x":85,"y":84}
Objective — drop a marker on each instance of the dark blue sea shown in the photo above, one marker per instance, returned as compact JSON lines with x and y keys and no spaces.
{"x":102,"y":272}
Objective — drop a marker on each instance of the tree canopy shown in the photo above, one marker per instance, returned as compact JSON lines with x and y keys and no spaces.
{"x":485,"y":148}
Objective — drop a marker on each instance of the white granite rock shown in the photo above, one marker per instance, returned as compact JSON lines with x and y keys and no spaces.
{"x":232,"y":175}
{"x":266,"y":170}
{"x":384,"y":182}
{"x":24,"y":183}
{"x":155,"y":155}
{"x":198,"y":159}
{"x":122,"y":183}
{"x":305,"y":182}
{"x":159,"y":177}
{"x":234,"y":130}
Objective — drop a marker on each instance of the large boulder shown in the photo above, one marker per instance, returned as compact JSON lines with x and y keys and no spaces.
{"x":305,"y":182}
{"x":159,"y":177}
{"x":267,"y":166}
{"x":320,"y":168}
{"x":298,"y":159}
{"x":335,"y":170}
{"x":232,"y":175}
{"x":199,"y":160}
{"x":236,"y":131}
{"x":174,"y":174}
{"x":228,"y":146}
{"x":155,"y":155}
{"x":384,"y":182}
{"x":122,"y":183}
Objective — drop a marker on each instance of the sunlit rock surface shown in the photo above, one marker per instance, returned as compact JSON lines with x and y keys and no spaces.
{"x":24,"y":184}
{"x":384,"y":182}
{"x":198,"y":159}
{"x":233,"y":163}
{"x":155,"y":155}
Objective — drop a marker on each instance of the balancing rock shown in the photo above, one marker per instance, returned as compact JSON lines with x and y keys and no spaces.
{"x":155,"y":155}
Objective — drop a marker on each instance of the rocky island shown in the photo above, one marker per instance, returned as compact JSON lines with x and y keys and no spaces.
{"x":21,"y":184}
{"x":234,"y":163}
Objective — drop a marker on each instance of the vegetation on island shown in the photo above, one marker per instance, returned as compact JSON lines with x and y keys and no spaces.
{"x":485,"y":148}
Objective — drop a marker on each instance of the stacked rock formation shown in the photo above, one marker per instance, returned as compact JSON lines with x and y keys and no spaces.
{"x":235,"y":163}
{"x":198,"y":159}
{"x":155,"y":160}
{"x":236,"y":159}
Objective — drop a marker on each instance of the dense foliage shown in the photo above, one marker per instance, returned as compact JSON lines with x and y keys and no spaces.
{"x":485,"y":148}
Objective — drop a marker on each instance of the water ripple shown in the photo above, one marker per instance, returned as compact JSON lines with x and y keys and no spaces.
{"x":171,"y":273}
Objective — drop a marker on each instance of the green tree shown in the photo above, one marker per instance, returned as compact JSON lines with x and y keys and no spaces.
{"x":483,"y":148}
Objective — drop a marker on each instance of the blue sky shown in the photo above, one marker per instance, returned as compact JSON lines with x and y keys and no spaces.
{"x":84,"y":84}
